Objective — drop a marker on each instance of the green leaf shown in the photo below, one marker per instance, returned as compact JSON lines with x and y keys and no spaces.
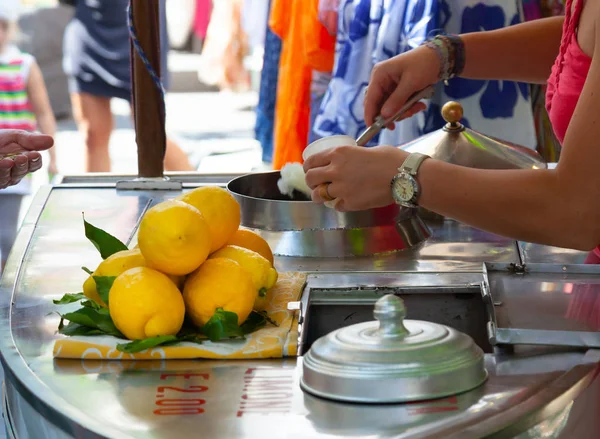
{"x":106,"y":244}
{"x":253,"y":322}
{"x":95,"y":319}
{"x":148,"y":343}
{"x":91,"y":304}
{"x":103,"y":286}
{"x":69,"y":298}
{"x":267,"y":318}
{"x":222,"y":325}
{"x":87,"y":270}
{"x":191,"y":338}
{"x":73,"y":329}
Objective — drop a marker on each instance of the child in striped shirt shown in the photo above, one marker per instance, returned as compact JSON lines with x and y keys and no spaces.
{"x":24,"y":105}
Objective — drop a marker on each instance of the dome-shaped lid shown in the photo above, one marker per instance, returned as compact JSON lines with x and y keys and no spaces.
{"x":459,"y":145}
{"x":393,"y":360}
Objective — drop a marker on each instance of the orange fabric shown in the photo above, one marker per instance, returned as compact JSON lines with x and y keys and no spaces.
{"x":320,"y":44}
{"x":303,"y":48}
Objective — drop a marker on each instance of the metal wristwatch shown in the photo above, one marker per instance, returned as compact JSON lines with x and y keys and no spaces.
{"x":405,"y":188}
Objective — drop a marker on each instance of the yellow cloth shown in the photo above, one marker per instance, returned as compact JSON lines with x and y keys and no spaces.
{"x":268,"y":342}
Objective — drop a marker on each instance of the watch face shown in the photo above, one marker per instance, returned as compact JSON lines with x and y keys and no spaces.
{"x":403,"y":189}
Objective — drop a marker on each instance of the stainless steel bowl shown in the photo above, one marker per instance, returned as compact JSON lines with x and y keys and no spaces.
{"x":298,"y":227}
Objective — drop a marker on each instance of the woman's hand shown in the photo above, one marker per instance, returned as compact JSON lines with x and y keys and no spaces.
{"x":19,"y":156}
{"x":358,"y":177}
{"x":395,"y":80}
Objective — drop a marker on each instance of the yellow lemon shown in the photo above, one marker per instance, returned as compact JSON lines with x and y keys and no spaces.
{"x":114,"y":265}
{"x":219,"y":208}
{"x":252,"y":241}
{"x":218,"y":283}
{"x":263,"y":275}
{"x":179,"y":281}
{"x":174,"y":238}
{"x":145,"y":303}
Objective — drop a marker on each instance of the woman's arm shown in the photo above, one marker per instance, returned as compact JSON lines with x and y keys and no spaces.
{"x":40,"y":102}
{"x":524,"y":52}
{"x":558,"y":207}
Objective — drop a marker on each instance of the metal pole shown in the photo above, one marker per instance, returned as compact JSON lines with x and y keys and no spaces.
{"x":148,"y":104}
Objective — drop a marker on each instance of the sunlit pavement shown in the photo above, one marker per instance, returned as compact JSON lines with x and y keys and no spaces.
{"x":215,"y":129}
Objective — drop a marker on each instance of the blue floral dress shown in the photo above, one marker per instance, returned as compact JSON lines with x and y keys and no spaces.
{"x":371,"y":31}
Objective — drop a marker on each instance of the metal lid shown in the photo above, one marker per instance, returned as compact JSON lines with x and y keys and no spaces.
{"x":459,"y":145}
{"x":392,"y":360}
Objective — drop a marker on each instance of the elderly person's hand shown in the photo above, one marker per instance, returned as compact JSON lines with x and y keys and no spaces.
{"x":359,"y":178}
{"x":19,"y":156}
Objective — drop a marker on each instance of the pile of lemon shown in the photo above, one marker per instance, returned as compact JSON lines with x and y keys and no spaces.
{"x":192,"y":258}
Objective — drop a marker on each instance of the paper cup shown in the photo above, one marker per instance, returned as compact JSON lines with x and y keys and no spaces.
{"x":327,"y":143}
{"x":324,"y":144}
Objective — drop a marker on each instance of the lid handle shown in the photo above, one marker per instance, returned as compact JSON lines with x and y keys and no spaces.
{"x":390,"y":311}
{"x":452,"y":112}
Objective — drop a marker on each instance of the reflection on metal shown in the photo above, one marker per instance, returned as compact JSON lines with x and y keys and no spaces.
{"x":392,"y":360}
{"x":312,"y":230}
{"x":459,"y":145}
{"x":564,"y":299}
{"x":149,"y":184}
{"x":463,"y":146}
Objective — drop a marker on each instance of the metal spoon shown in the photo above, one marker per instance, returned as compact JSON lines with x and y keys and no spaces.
{"x":380,"y":123}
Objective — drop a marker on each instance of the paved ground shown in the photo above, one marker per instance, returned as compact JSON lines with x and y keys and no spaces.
{"x":215,"y":129}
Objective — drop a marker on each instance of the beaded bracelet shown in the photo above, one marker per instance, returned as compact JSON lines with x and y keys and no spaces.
{"x":451,"y":52}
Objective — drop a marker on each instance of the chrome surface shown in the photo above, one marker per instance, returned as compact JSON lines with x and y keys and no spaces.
{"x":533,"y":389}
{"x":565,"y":300}
{"x":150,"y":184}
{"x":392,"y":360}
{"x":463,"y":146}
{"x":312,"y":230}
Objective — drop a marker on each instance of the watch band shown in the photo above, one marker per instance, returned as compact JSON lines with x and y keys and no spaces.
{"x":413,"y":162}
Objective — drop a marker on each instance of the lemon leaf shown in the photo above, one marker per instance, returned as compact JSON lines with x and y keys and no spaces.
{"x":267,"y":318}
{"x":191,"y":338}
{"x":254,"y":321}
{"x":148,"y":343}
{"x":95,"y":319}
{"x":222,"y":325}
{"x":73,"y":329}
{"x":69,"y":298}
{"x":106,"y":244}
{"x":103,"y":286}
{"x":91,"y":304}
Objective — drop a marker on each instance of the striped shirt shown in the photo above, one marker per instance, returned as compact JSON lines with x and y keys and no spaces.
{"x":15,"y":109}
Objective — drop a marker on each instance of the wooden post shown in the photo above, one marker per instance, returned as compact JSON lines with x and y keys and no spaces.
{"x":148,"y":108}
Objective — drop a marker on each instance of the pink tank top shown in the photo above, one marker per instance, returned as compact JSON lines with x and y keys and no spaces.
{"x":568,"y":76}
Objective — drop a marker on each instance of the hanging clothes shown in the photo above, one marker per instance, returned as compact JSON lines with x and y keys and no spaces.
{"x":202,"y":18}
{"x":255,"y":15}
{"x":499,"y":109}
{"x":371,"y":31}
{"x":226,"y":45}
{"x":267,"y":97}
{"x":319,"y":52}
{"x":532,"y":10}
{"x":294,"y":21}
